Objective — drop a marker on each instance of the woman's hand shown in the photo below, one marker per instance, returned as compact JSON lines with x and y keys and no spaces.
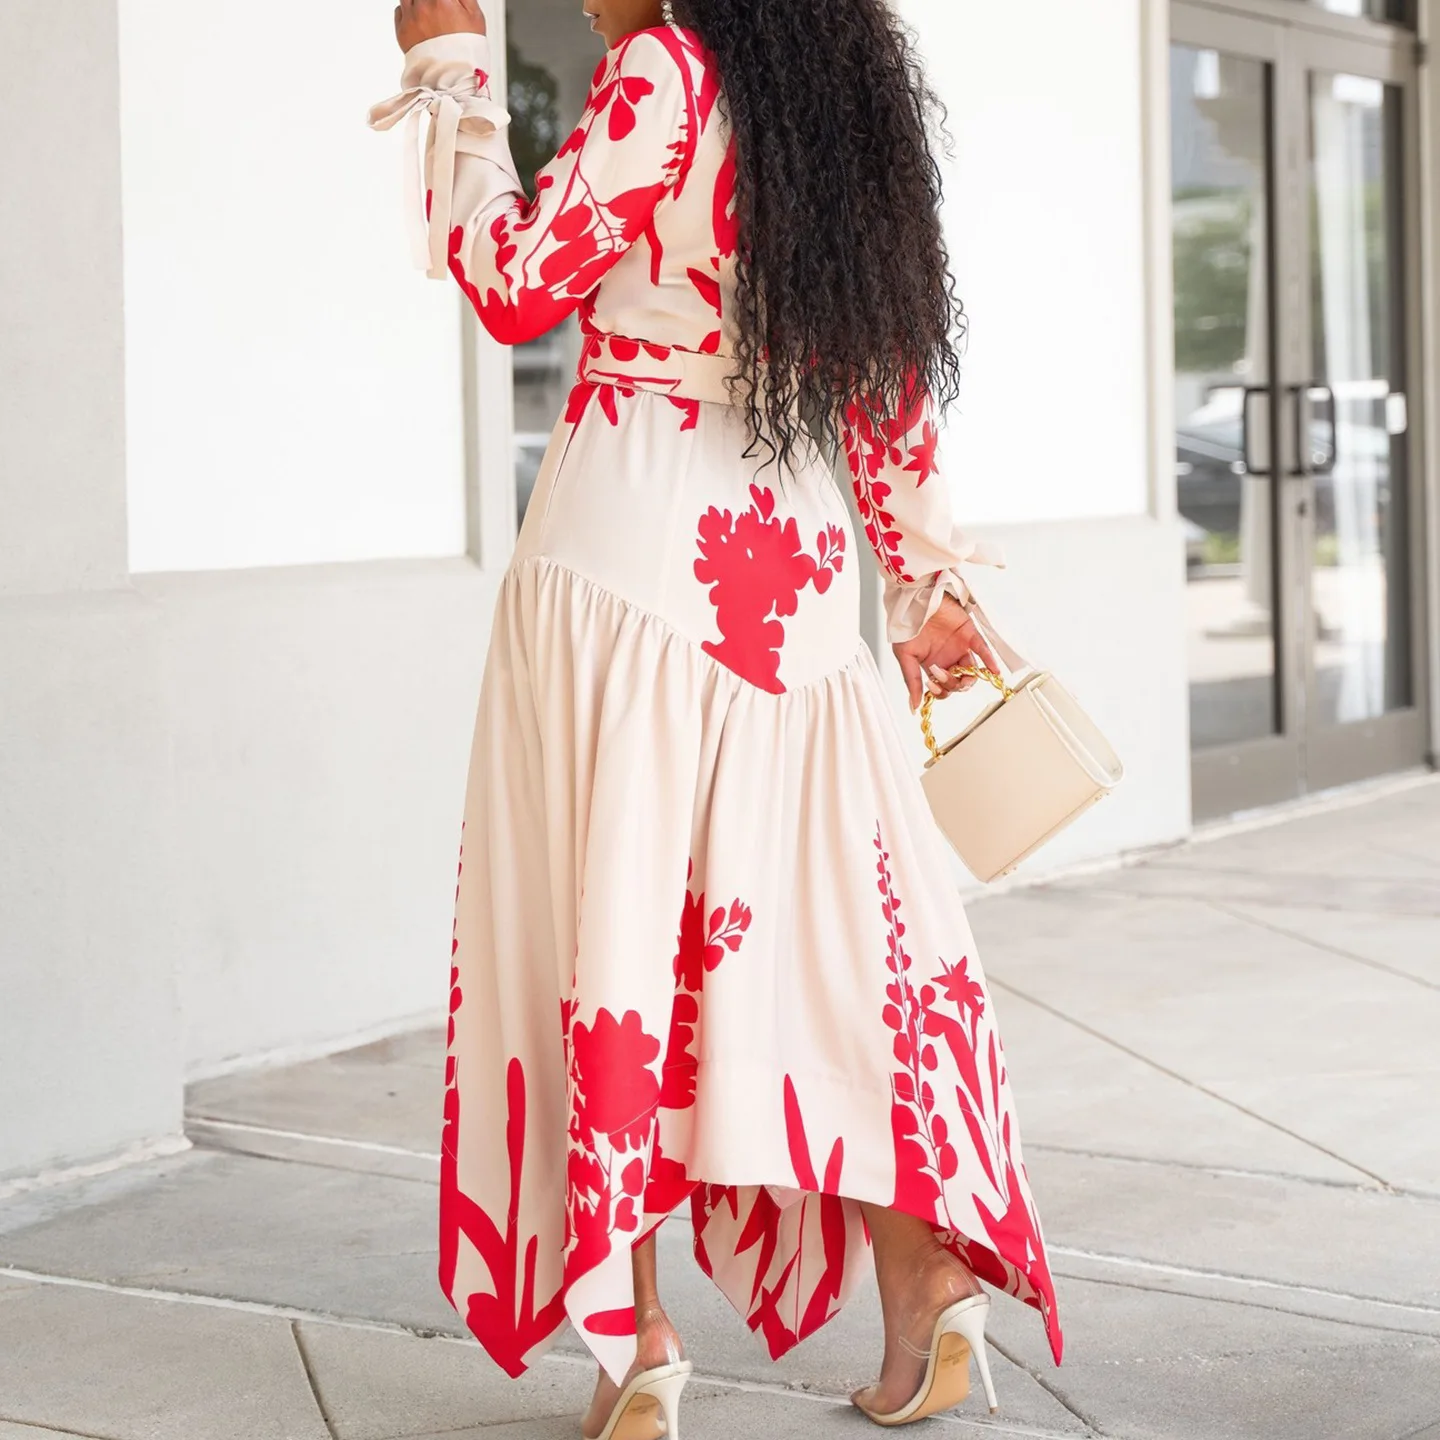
{"x":950,"y":638}
{"x":417,"y":20}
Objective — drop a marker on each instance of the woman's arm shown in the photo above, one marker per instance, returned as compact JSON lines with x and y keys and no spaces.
{"x":528,"y":263}
{"x":910,"y":523}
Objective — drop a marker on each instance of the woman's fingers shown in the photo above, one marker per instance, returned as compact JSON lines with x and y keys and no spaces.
{"x":985,"y":654}
{"x":944,"y":681}
{"x":911,"y":669}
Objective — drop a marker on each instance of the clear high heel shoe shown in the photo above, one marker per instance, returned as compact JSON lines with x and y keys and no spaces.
{"x":958,"y":1333}
{"x":649,"y":1397}
{"x":648,"y":1406}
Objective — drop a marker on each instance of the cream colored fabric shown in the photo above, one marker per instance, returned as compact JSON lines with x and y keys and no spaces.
{"x":707,"y":946}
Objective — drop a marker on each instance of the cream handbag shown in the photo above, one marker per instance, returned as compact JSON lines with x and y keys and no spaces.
{"x":1021,"y":772}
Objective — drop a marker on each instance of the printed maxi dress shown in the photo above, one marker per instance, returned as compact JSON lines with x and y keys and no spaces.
{"x":708,"y":949}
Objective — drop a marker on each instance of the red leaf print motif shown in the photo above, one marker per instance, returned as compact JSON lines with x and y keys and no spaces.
{"x":785,"y":1319}
{"x":576,"y":229}
{"x":926,"y":1160}
{"x":507,"y":1323}
{"x":756,"y":568}
{"x":700,"y":947}
{"x":708,"y":286}
{"x":867,"y":451}
{"x":924,"y":1157}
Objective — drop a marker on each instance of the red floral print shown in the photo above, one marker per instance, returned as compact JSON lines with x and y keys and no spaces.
{"x":924,"y":1156}
{"x":508,"y":1322}
{"x":926,"y":1160}
{"x":786,"y":1248}
{"x":704,"y":941}
{"x":882,"y":458}
{"x":756,"y":568}
{"x":785,"y":1306}
{"x":617,"y":1090}
{"x":539,"y":259}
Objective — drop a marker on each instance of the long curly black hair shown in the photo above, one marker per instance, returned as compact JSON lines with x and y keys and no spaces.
{"x":844,"y":278}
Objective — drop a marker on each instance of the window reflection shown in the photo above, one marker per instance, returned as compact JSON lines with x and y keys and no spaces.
{"x":550,"y":56}
{"x":1358,"y":411}
{"x":1396,"y":11}
{"x":1220,"y":209}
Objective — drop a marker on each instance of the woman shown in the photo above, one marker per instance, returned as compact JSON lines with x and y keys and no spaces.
{"x":707,"y":945}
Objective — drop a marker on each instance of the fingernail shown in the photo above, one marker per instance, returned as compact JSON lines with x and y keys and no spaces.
{"x":939,"y":674}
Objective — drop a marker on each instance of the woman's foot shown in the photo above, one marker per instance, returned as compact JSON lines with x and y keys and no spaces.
{"x":658,"y":1344}
{"x":912,"y":1299}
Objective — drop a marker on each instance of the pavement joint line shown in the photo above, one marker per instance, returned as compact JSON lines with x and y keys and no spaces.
{"x":294,"y":1315}
{"x":314,"y":1163}
{"x":1417,"y":857}
{"x":1428,"y":1431}
{"x":1047,"y":1386}
{"x":1370,"y":1327}
{"x":1337,"y":950}
{"x":163,"y":1147}
{"x":60,"y":1429}
{"x":1116,"y":889}
{"x":270,"y":1310}
{"x":371,"y":1147}
{"x":1196,"y":1272}
{"x":1234,"y":1172}
{"x":312,"y":1380}
{"x":340,"y":1142}
{"x":1186,"y":1080}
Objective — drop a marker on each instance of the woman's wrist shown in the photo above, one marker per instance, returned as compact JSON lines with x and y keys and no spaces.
{"x":446,"y":62}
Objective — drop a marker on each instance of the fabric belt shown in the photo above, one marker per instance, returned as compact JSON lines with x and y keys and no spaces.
{"x":665,"y":369}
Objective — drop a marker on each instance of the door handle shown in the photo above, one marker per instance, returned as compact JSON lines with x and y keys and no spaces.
{"x":1249,"y":393}
{"x":1302,"y":395}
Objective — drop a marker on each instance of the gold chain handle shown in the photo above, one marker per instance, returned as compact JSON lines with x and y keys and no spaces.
{"x":960,"y":672}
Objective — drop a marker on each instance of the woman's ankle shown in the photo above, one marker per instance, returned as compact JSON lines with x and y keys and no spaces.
{"x":657,"y":1341}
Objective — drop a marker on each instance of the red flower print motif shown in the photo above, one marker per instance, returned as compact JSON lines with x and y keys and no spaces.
{"x":926,"y":1160}
{"x":756,"y":568}
{"x":618,"y":1092}
{"x":922,"y":455}
{"x":962,"y":992}
{"x":704,"y":942}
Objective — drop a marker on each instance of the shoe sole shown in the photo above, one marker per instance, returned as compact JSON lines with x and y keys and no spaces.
{"x":949,"y":1385}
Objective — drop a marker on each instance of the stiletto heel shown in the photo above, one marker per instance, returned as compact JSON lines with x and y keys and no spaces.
{"x":959,"y":1332}
{"x":970,"y":1325}
{"x":667,"y":1392}
{"x":650,"y":1394}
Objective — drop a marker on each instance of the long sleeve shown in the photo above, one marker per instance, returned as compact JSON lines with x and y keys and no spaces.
{"x":528,"y":263}
{"x":908,"y":516}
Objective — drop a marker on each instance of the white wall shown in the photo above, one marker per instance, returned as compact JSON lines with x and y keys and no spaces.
{"x":1044,"y":206}
{"x":1049,"y":450}
{"x":293,"y":384}
{"x":89,"y":1050}
{"x":319,"y":721}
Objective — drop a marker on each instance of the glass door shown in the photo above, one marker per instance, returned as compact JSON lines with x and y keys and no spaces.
{"x":1294,"y":429}
{"x":1350,"y":401}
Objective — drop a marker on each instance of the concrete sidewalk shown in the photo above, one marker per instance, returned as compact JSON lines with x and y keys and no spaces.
{"x":1228,"y":1066}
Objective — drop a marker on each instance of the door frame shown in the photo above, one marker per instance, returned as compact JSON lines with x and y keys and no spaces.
{"x":1291,"y":39}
